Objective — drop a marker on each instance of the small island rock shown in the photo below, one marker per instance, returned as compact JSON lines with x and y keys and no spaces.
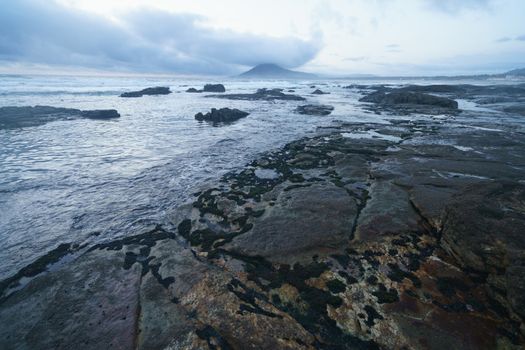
{"x":159,"y":90}
{"x":221,"y":115}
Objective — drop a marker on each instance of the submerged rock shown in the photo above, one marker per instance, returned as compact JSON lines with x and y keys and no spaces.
{"x":222,"y":115}
{"x":159,"y":90}
{"x":262,"y":94}
{"x":315,"y":109}
{"x":319,"y":92}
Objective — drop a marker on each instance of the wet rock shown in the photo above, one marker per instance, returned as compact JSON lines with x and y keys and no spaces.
{"x":163,"y":322}
{"x":101,"y":114}
{"x":436,"y":88}
{"x":319,"y":92}
{"x":217,"y":306}
{"x":90,"y":304}
{"x":214,"y":88}
{"x":387,"y":211}
{"x":209,"y":88}
{"x":315,"y":109}
{"x":223,"y":115}
{"x":20,"y":117}
{"x":262,"y":94}
{"x":483,"y":229}
{"x":159,"y":90}
{"x":326,"y":215}
{"x":409,"y":98}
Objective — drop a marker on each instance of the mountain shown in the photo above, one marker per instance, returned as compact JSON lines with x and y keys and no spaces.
{"x":520,"y":72}
{"x":273,"y":71}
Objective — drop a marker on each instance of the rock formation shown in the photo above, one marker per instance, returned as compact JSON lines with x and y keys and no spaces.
{"x":223,"y":115}
{"x":262,"y":94}
{"x":159,"y":90}
{"x":26,"y":116}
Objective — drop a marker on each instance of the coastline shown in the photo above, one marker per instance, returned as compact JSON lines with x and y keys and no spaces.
{"x":366,"y":236}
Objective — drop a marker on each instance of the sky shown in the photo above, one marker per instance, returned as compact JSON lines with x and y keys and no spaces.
{"x":211,"y":37}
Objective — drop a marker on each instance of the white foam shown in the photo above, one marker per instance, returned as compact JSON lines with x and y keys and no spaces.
{"x":370,"y":134}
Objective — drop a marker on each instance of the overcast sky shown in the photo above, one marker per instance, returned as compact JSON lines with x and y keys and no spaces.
{"x":387,"y":37}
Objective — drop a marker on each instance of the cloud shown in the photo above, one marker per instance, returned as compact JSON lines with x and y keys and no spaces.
{"x":456,"y":6}
{"x":356,"y":59}
{"x":507,"y":39}
{"x":149,"y":40}
{"x":393,"y":48}
{"x":503,"y":40}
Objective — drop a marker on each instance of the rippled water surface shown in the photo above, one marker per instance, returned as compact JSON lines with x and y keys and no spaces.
{"x":86,"y":181}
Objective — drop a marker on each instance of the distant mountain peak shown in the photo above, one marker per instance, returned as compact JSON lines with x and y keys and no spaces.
{"x":273,"y":71}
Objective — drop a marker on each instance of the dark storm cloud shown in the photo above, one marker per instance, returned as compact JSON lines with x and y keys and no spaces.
{"x":36,"y":31}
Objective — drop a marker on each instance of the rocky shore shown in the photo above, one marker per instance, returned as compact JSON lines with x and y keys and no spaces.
{"x":405,"y":235}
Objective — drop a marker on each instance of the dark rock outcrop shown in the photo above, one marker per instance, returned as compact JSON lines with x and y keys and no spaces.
{"x":437,"y":88}
{"x":409,"y":98}
{"x":404,"y":102}
{"x":223,"y":115}
{"x":209,"y":88}
{"x":19,"y":117}
{"x":26,"y":116}
{"x":315,"y":109}
{"x":159,"y":90}
{"x":262,"y":94}
{"x":319,"y":92}
{"x":214,"y":88}
{"x":101,"y":114}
